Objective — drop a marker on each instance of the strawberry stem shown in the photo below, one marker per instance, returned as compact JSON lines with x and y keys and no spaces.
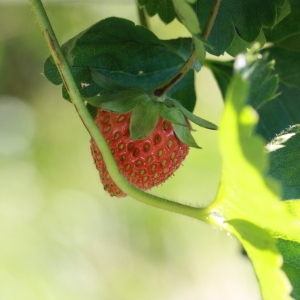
{"x":68,"y":80}
{"x":163,"y":88}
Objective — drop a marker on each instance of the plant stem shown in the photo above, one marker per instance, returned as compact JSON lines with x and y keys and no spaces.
{"x":211,"y":19}
{"x":163,"y":88}
{"x":68,"y":80}
{"x":142,"y":16}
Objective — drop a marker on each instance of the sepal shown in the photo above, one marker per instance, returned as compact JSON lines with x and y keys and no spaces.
{"x":175,"y":105}
{"x":144,"y":119}
{"x":120,"y":101}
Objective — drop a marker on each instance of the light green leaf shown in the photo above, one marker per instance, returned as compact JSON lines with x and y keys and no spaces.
{"x":187,"y":16}
{"x":247,"y":205}
{"x":200,"y":49}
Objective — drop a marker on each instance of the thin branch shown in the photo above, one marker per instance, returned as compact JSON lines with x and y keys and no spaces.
{"x":68,"y":80}
{"x":211,"y":20}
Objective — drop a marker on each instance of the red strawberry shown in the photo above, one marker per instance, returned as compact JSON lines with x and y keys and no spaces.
{"x":144,"y":163}
{"x":149,"y":136}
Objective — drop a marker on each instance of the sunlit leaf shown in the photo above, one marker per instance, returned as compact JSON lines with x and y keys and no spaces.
{"x":248,"y":204}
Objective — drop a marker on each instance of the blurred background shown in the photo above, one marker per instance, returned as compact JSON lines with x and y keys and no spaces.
{"x":61,"y":235}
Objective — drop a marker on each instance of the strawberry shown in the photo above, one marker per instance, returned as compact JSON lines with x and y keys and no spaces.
{"x":144,"y":163}
{"x":149,"y":136}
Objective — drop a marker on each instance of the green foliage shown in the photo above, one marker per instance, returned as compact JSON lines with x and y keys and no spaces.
{"x":291,"y":253}
{"x":285,"y":161}
{"x":245,"y":193}
{"x":116,"y":68}
{"x":164,"y":8}
{"x":133,"y":56}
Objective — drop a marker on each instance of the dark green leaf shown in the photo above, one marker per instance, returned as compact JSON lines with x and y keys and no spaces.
{"x":243,"y":17}
{"x":184,"y":91}
{"x":238,"y":45}
{"x":222,"y":32}
{"x":287,"y":65}
{"x":123,"y":53}
{"x":288,"y":27}
{"x":280,"y":113}
{"x":144,"y":119}
{"x":263,"y":84}
{"x":291,"y":43}
{"x":285,"y":161}
{"x":164,"y":8}
{"x":105,"y":82}
{"x":291,"y":254}
{"x":222,"y":71}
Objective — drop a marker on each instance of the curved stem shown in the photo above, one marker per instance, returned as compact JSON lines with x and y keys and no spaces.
{"x":68,"y":80}
{"x":163,"y":88}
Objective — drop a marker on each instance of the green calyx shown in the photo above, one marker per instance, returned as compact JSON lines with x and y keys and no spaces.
{"x":146,"y":109}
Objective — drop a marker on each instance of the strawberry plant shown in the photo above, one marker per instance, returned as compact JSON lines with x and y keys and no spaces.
{"x":135,"y":94}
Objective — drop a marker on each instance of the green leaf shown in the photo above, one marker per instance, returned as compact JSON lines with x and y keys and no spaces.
{"x":123,"y":53}
{"x":164,"y":8}
{"x":174,"y":104}
{"x":265,"y":257}
{"x":280,"y":113}
{"x":287,"y":65}
{"x":291,"y":254}
{"x":187,"y":16}
{"x":197,"y":120}
{"x":263,"y":83}
{"x":291,"y":43}
{"x":144,"y":119}
{"x":222,"y":71}
{"x":285,"y":161}
{"x":288,"y":27}
{"x":184,"y":91}
{"x":242,"y":17}
{"x":184,"y":134}
{"x":238,"y":45}
{"x":200,"y":50}
{"x":121,"y":101}
{"x":248,"y":204}
{"x":173,"y":115}
{"x":104,"y":81}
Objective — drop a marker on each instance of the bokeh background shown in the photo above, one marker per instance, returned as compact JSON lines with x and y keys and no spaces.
{"x":61,"y":235}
